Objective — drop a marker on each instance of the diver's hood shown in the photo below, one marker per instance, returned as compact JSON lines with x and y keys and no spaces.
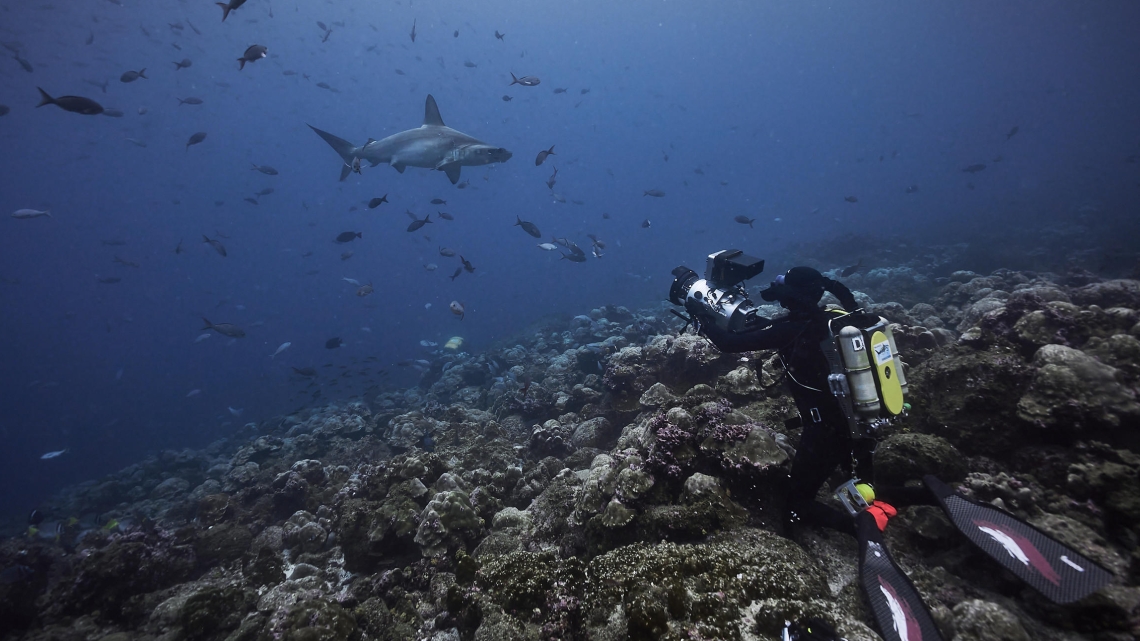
{"x":801,"y":288}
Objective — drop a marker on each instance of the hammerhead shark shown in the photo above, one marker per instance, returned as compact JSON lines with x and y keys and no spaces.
{"x":433,"y":145}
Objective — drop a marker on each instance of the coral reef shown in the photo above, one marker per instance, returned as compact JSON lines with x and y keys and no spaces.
{"x":602,"y":478}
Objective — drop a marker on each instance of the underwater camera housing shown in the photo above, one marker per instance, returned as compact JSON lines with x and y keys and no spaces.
{"x":720,"y":295}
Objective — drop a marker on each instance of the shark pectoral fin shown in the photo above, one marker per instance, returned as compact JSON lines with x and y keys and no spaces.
{"x":452,"y":170}
{"x":431,"y":113}
{"x":400,"y":167}
{"x":345,"y":170}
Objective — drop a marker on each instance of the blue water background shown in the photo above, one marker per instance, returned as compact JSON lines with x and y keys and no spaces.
{"x":789,"y":104}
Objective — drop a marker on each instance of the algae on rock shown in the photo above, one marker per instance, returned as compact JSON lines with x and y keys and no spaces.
{"x":447,"y":521}
{"x":1073,"y":392}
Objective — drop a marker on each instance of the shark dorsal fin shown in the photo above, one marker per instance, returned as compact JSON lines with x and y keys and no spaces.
{"x":431,"y":113}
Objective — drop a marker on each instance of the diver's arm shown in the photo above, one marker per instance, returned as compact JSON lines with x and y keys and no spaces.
{"x":772,"y":335}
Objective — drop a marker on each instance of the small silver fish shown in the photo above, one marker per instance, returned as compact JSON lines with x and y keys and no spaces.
{"x":225,"y":329}
{"x":131,"y":76}
{"x":216,"y":244}
{"x":51,"y":455}
{"x":25,"y":214}
{"x":284,"y":346}
{"x":252,"y":54}
{"x":526,"y":81}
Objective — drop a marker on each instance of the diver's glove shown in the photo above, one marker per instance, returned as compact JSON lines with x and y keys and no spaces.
{"x":882,"y":512}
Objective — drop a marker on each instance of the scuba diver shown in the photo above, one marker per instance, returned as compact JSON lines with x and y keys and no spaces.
{"x":848,"y":383}
{"x":827,"y":441}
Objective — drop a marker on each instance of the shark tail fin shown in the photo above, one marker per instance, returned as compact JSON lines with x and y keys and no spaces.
{"x":346,"y":150}
{"x":431,"y":113}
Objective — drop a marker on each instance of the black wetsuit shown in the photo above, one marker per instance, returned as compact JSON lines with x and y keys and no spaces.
{"x":826,"y":441}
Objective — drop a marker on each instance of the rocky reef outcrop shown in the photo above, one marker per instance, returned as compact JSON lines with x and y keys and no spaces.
{"x":604,"y":478}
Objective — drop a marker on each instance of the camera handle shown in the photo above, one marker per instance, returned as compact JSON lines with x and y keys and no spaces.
{"x":689,"y":320}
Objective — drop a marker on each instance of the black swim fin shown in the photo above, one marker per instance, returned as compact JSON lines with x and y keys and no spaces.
{"x":896,"y":604}
{"x":1058,"y":572}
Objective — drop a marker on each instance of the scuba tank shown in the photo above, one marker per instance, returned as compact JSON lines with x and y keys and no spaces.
{"x":857,"y":366}
{"x":866,"y":374}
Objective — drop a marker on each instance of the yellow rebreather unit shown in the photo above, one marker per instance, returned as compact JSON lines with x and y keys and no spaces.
{"x":888,"y":373}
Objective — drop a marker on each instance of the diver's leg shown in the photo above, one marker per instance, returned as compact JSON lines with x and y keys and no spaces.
{"x":821,"y":450}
